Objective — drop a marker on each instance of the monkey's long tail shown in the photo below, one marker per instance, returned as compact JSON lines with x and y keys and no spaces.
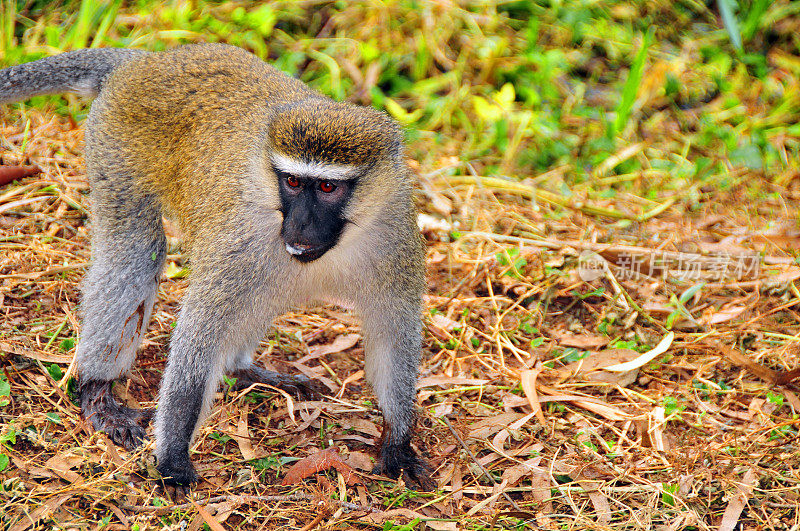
{"x":82,"y":72}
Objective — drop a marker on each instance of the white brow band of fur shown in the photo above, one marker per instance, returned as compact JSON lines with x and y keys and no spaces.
{"x":325,"y":170}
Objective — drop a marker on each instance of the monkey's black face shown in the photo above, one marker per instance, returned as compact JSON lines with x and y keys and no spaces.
{"x":313,"y":213}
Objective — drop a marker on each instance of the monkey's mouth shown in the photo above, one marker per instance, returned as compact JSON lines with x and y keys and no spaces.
{"x":306,"y":253}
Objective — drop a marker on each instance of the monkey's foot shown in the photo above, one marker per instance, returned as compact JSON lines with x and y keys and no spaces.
{"x":177,"y":475}
{"x":123,"y":425}
{"x":396,"y":459}
{"x":299,"y":386}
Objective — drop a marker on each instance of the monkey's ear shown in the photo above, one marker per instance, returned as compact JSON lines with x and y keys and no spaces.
{"x":396,"y":149}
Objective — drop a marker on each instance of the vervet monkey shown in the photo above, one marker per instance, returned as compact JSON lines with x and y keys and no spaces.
{"x":283,"y":196}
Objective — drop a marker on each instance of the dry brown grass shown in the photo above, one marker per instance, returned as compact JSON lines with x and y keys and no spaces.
{"x":516,"y":438}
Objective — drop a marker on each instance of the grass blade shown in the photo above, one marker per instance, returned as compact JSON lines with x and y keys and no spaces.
{"x":731,"y":24}
{"x":78,"y":34}
{"x":632,"y":84}
{"x":8,"y":10}
{"x":105,"y":24}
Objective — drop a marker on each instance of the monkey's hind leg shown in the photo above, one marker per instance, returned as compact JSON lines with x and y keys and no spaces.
{"x":248,"y":373}
{"x":122,"y":424}
{"x":128,"y":251}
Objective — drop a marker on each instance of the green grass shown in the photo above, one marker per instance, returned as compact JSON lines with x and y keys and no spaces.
{"x":509,"y":89}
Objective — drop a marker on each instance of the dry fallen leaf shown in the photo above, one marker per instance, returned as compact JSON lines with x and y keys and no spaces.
{"x":431,"y":381}
{"x":391,"y":514}
{"x":592,"y":367}
{"x":12,"y":173}
{"x":362,"y":426}
{"x":484,"y":428}
{"x":341,"y":343}
{"x":599,"y":500}
{"x":46,"y":357}
{"x":243,"y":435}
{"x":443,"y":322}
{"x":647,"y":357}
{"x":528,"y":381}
{"x":360,"y":460}
{"x":512,"y":475}
{"x":765,"y":373}
{"x":62,"y":464}
{"x":735,"y":507}
{"x":437,"y":525}
{"x":44,"y":510}
{"x":499,"y":440}
{"x":584,"y":341}
{"x":323,"y":460}
{"x":359,"y":374}
{"x":617,"y":366}
{"x":590,"y":404}
{"x":207,"y":517}
{"x":725,"y":314}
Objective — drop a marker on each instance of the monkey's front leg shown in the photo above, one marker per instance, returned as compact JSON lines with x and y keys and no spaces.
{"x":194,"y":368}
{"x":393,"y":341}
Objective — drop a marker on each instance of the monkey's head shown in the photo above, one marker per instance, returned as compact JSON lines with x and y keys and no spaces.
{"x":326,"y":156}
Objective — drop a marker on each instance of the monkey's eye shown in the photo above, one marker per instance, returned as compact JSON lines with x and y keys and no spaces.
{"x":327,"y":187}
{"x":293,"y":181}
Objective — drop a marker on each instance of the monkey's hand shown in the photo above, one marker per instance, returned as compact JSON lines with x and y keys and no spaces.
{"x":122,"y":424}
{"x":298,"y":386}
{"x":397,"y":459}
